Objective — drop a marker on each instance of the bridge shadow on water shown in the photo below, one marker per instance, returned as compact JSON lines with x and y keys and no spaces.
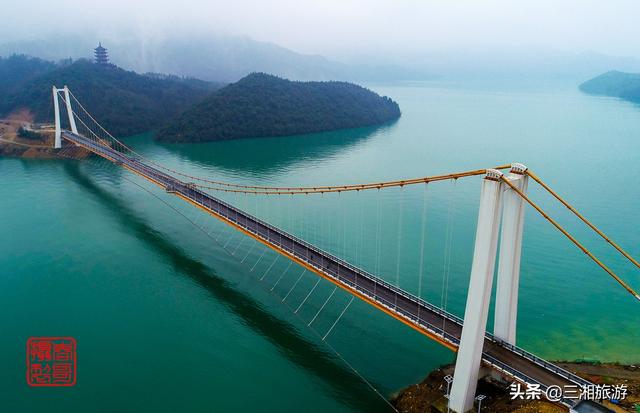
{"x":263,"y":156}
{"x":346,"y":386}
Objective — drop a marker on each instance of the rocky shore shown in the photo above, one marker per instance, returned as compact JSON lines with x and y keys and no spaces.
{"x":429,"y":395}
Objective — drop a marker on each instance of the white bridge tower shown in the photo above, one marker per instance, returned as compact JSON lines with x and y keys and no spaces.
{"x":496,"y":199}
{"x":56,"y":108}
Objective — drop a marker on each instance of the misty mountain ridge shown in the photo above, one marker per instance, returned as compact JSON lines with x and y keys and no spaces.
{"x":219,"y":58}
{"x":227,"y":58}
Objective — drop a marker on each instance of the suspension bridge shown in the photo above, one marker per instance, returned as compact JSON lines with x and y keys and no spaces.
{"x":501,"y":215}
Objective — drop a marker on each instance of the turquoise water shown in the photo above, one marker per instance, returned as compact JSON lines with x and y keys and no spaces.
{"x":174,"y":311}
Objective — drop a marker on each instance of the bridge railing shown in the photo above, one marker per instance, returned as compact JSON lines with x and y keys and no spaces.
{"x":181,"y":186}
{"x":500,"y":366}
{"x":359,"y":271}
{"x":392,"y":306}
{"x":541,"y":362}
{"x":346,"y":264}
{"x":360,"y":288}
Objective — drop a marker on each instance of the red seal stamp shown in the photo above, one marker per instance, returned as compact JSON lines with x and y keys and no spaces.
{"x":51,"y":361}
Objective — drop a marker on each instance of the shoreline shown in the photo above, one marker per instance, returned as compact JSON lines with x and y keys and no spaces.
{"x":429,"y":394}
{"x":16,"y":149}
{"x":13,"y":146}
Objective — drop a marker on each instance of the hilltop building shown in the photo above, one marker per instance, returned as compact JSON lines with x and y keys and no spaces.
{"x":101,"y":55}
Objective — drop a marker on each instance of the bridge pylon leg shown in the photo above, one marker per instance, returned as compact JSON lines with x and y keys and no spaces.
{"x":506,"y":310}
{"x":57,"y":143}
{"x":72,"y":120}
{"x":465,"y":378}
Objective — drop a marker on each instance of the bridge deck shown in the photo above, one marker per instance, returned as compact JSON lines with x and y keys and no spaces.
{"x":423,"y":316}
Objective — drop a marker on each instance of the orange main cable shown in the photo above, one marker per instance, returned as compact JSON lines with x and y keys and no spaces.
{"x":350,"y":187}
{"x":275,"y":190}
{"x":582,"y":218}
{"x":571,"y":238}
{"x":347,"y":188}
{"x":416,"y":326}
{"x":352,"y":291}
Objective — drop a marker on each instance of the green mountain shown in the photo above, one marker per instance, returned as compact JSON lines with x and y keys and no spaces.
{"x":17,"y":69}
{"x":124,"y":102}
{"x":617,"y":84}
{"x":262,"y":105}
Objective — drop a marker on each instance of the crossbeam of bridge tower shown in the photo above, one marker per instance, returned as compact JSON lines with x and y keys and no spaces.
{"x":57,"y":143}
{"x":506,"y":311}
{"x":465,"y":377}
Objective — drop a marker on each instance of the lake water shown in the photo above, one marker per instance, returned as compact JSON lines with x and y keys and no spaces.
{"x":173,"y":311}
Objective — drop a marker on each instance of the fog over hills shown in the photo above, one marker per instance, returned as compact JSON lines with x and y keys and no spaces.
{"x":228,"y":58}
{"x":359,"y":41}
{"x":222,"y":58}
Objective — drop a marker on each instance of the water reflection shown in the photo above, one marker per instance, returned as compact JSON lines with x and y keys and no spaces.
{"x":273,"y":155}
{"x":349,"y":389}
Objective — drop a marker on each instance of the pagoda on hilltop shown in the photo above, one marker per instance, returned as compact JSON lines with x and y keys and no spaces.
{"x":101,"y":55}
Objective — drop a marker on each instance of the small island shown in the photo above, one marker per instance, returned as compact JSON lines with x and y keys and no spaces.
{"x":263,"y":105}
{"x":615,"y":84}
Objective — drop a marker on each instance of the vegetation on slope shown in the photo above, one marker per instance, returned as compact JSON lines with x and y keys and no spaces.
{"x":261,"y":105}
{"x":29,"y":134}
{"x":16,"y":69}
{"x":617,"y":84}
{"x":124,"y":102}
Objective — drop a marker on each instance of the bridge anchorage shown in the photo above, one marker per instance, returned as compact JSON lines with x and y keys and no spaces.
{"x":500,"y":216}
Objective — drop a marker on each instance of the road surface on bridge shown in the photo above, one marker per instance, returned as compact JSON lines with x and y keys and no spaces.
{"x":423,"y":316}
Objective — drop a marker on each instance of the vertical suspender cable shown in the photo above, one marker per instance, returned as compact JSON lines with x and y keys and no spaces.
{"x":323,"y":305}
{"x":399,"y":236}
{"x":422,"y":239}
{"x":344,"y":310}
{"x":447,"y":255}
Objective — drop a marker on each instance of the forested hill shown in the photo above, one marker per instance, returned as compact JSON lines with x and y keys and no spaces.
{"x":617,"y":84}
{"x":16,"y":69}
{"x":261,"y":105}
{"x":125,"y":102}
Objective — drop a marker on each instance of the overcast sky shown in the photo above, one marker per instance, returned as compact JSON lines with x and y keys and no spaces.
{"x":341,"y":27}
